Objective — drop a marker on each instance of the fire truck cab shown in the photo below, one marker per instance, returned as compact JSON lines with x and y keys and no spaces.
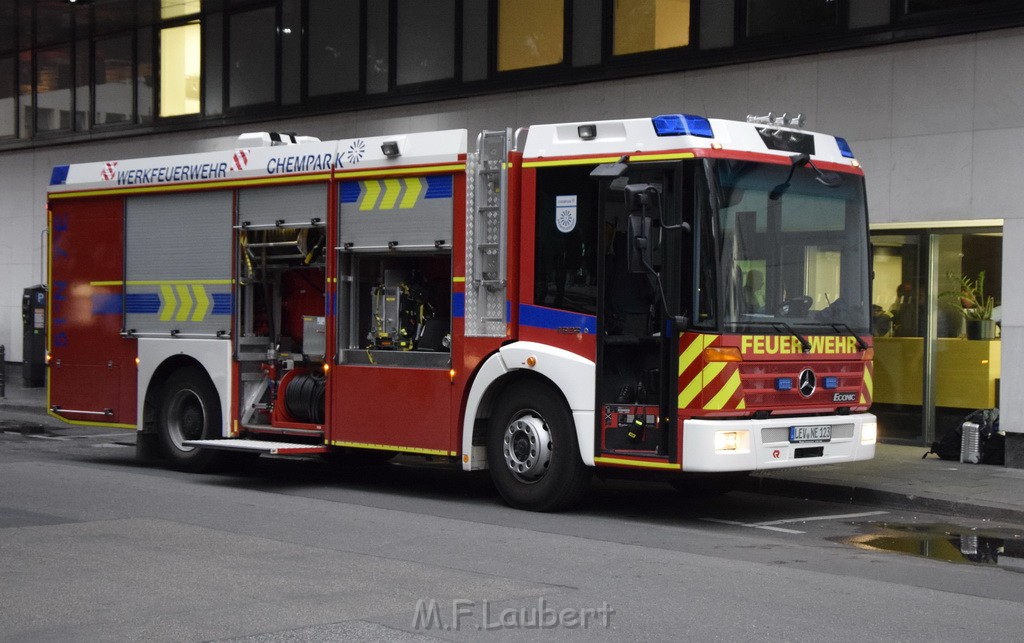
{"x":675,"y":294}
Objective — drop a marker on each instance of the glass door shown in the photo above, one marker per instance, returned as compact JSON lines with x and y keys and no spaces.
{"x":898,"y":316}
{"x":933,"y":365}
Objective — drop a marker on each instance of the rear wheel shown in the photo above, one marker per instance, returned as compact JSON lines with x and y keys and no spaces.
{"x":532,"y":451}
{"x":189,"y":410}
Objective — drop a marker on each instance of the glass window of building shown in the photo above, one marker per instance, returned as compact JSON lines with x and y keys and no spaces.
{"x":8,"y":96}
{"x":650,"y":25}
{"x":333,"y":66}
{"x":924,"y":6}
{"x":110,"y":16}
{"x":179,"y":8}
{"x":378,"y":55}
{"x":53,"y":21}
{"x":144,"y":81}
{"x":8,"y":33}
{"x":25,"y":94}
{"x":252,"y":57}
{"x":53,"y":81}
{"x":83,"y":85}
{"x":425,"y":41}
{"x":180,"y":74}
{"x":113,"y":78}
{"x":475,"y":60}
{"x":531,"y":33}
{"x":291,"y":52}
{"x":790,"y":17}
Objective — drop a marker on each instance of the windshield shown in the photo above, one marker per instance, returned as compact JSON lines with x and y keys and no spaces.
{"x":787,"y":249}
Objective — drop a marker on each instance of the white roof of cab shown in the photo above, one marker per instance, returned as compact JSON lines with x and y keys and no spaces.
{"x":638,"y":135}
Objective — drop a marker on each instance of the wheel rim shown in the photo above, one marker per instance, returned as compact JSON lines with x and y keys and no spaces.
{"x":186,"y":418}
{"x":526,"y":446}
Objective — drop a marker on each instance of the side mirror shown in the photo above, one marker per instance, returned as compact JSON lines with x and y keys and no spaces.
{"x":640,"y":196}
{"x":639,"y":245}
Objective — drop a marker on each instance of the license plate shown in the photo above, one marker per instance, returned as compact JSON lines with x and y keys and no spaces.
{"x":821,"y":433}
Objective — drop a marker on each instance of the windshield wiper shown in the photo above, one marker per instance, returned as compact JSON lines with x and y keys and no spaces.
{"x":806,"y":345}
{"x":828,"y":179}
{"x":841,"y":327}
{"x":803,"y":340}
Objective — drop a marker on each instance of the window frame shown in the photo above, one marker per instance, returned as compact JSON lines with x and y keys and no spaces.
{"x":249,"y":108}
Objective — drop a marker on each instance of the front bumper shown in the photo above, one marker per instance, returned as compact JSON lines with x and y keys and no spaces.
{"x":763,"y":445}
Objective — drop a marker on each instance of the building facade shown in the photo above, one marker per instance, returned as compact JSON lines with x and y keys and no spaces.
{"x":927,"y":92}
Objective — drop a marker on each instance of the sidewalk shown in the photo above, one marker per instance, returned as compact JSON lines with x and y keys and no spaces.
{"x":897,"y":477}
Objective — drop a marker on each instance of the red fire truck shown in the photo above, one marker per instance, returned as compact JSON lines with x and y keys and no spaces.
{"x":673,"y":294}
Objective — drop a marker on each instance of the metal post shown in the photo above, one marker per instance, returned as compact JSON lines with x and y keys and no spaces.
{"x":3,"y":369}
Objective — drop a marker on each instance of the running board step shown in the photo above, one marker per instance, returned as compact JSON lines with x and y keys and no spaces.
{"x":259,"y":446}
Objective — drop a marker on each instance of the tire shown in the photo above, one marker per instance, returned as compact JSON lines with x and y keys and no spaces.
{"x":189,"y":409}
{"x":532,"y":451}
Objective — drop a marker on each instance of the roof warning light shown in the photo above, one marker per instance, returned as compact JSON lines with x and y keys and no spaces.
{"x":682,"y":124}
{"x":844,"y":147}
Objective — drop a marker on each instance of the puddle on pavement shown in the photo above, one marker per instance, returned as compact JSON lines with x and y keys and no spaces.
{"x":996,"y":547}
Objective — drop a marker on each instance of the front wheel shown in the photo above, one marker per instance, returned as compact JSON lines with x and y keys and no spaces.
{"x":532,"y":451}
{"x":189,"y":410}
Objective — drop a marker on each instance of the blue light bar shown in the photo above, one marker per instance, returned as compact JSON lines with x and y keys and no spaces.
{"x":831,"y":382}
{"x":682,"y":124}
{"x":783,"y":383}
{"x":844,"y":147}
{"x":59,"y":175}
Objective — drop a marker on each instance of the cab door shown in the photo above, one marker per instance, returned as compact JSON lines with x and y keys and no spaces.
{"x":644,"y":281}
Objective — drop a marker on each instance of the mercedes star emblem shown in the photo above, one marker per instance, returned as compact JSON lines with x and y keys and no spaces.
{"x":807,"y":382}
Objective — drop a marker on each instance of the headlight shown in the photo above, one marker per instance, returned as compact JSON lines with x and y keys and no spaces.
{"x":732,"y":441}
{"x":869,"y":433}
{"x":725,"y":441}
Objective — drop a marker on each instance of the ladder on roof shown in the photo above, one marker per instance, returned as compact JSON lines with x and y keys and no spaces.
{"x":487,"y":235}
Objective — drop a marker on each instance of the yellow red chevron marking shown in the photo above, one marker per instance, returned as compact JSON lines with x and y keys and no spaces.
{"x":868,"y":391}
{"x":713,"y":386}
{"x":724,"y":394}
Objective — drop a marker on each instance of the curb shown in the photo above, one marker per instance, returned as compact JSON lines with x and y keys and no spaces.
{"x":14,"y":405}
{"x":853,"y":494}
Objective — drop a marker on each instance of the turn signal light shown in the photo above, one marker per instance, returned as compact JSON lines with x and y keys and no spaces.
{"x":723,"y":354}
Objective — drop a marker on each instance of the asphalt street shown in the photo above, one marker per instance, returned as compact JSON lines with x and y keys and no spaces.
{"x":97,"y":546}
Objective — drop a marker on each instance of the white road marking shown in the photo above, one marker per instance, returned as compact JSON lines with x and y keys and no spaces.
{"x":835,"y":517}
{"x":770,"y":524}
{"x":753,"y":525}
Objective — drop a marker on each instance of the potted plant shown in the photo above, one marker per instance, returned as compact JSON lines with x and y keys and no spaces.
{"x":968,"y":295}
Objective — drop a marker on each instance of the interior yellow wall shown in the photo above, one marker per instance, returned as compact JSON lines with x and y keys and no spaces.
{"x":648,"y":25}
{"x":530,"y":33}
{"x":180,"y":70}
{"x":178,"y":8}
